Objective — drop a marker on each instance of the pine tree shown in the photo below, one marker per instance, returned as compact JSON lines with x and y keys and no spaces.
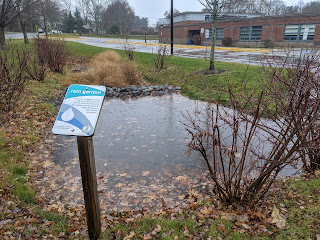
{"x":78,"y":20}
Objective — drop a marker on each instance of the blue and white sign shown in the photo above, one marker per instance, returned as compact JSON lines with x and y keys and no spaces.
{"x":80,"y":110}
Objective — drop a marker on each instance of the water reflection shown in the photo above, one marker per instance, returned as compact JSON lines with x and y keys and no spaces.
{"x":140,"y":150}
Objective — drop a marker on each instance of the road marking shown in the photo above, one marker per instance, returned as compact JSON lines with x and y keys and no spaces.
{"x":69,"y":38}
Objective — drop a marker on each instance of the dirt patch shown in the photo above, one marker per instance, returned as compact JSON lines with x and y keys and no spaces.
{"x":210,"y":72}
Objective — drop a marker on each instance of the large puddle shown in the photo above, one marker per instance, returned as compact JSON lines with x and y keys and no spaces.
{"x":141,"y":154}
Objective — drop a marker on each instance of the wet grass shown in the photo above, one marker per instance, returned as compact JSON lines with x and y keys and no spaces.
{"x":119,"y":36}
{"x":300,"y":196}
{"x":184,"y":72}
{"x":20,"y":132}
{"x":300,"y":203}
{"x":59,"y":221}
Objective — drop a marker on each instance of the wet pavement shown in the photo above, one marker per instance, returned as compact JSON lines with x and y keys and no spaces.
{"x":245,"y":56}
{"x":252,"y":56}
{"x":141,"y":156}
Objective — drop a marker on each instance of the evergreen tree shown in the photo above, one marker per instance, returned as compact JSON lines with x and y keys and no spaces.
{"x":70,"y":23}
{"x":78,"y":20}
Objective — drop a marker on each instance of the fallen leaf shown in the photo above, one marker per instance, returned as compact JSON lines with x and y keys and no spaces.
{"x":130,"y":236}
{"x":277,"y":219}
{"x":206,"y":211}
{"x":246,"y":226}
{"x":158,"y":228}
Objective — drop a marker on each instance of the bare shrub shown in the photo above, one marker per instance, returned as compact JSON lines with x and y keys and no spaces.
{"x":296,"y":89}
{"x":108,"y":69}
{"x":227,"y":41}
{"x":129,"y":50}
{"x":244,"y":154}
{"x":49,"y":53}
{"x":311,"y":156}
{"x":196,"y":39}
{"x":36,"y":70}
{"x":13,"y":77}
{"x":57,"y":55}
{"x":38,"y":64}
{"x":270,"y":43}
{"x":160,"y":59}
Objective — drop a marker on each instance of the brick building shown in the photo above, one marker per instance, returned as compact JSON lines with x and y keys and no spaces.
{"x":246,"y":30}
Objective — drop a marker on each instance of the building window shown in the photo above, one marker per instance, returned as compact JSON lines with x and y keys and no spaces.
{"x":252,"y":33}
{"x":208,"y":17}
{"x":219,"y":33}
{"x":297,"y":31}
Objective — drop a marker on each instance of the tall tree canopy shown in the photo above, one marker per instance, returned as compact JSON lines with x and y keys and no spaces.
{"x":119,"y":13}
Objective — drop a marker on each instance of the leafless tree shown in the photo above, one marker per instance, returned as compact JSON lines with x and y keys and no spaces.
{"x":25,"y":12}
{"x":9,"y":10}
{"x":95,"y":8}
{"x":49,"y":12}
{"x":83,"y":6}
{"x":214,"y":7}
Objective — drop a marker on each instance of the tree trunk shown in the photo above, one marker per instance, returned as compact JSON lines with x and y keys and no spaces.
{"x":2,"y":37}
{"x":23,"y":28}
{"x":97,"y":23}
{"x":213,"y":41}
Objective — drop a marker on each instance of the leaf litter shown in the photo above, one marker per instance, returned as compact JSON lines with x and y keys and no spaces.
{"x":59,"y":190}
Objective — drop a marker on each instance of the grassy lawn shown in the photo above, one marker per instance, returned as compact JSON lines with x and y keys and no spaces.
{"x":21,"y":137}
{"x":183,"y":72}
{"x":298,"y":201}
{"x":73,"y":35}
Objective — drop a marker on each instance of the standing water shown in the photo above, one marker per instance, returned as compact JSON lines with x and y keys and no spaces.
{"x":141,"y":154}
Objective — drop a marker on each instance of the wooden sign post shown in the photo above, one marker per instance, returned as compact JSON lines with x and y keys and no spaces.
{"x":89,"y":184}
{"x":78,"y":116}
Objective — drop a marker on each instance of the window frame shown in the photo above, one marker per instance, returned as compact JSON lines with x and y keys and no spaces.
{"x":208,"y":17}
{"x":210,"y":33}
{"x":298,"y":36}
{"x":221,"y":30}
{"x":254,"y":33}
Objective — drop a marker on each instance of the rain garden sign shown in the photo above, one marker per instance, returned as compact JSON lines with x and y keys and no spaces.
{"x":78,"y":116}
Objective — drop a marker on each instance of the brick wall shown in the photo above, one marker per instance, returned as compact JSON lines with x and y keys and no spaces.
{"x":272,"y":27}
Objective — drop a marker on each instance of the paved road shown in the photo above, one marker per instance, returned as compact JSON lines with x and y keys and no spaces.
{"x":248,"y":56}
{"x":238,"y":55}
{"x":19,"y":35}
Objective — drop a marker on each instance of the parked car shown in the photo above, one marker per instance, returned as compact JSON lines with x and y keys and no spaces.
{"x":55,"y":31}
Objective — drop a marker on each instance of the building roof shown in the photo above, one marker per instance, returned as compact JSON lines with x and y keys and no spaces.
{"x":225,"y":17}
{"x":226,"y":14}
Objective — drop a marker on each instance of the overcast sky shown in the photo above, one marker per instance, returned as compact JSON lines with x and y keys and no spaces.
{"x":154,"y":9}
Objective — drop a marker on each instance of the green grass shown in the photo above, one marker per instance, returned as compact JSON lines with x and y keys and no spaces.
{"x":302,"y":222}
{"x":303,"y":205}
{"x":183,"y":72}
{"x":60,"y":222}
{"x":18,"y":170}
{"x":76,"y":35}
{"x":15,"y":141}
{"x":24,"y":193}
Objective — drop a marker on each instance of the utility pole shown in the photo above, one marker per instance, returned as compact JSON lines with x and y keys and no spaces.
{"x":171,"y":27}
